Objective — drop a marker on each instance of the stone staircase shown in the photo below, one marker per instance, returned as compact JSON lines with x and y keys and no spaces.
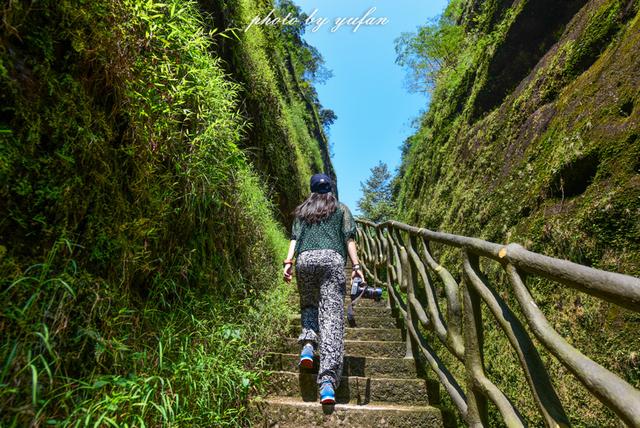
{"x":379,"y":388}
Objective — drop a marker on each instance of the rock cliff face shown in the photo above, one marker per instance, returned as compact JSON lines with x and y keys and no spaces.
{"x":534,"y":137}
{"x":537,"y":139}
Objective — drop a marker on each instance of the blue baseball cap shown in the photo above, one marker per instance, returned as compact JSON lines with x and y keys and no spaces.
{"x":321,"y":183}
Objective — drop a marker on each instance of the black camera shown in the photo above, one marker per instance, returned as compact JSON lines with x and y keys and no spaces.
{"x":359,"y":289}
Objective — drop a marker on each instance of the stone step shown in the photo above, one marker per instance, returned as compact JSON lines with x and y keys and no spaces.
{"x":369,"y":311}
{"x":361,"y":348}
{"x":378,"y":334}
{"x":362,"y":321}
{"x":362,"y":303}
{"x":353,"y":366}
{"x":366,"y":311}
{"x":354,"y":389}
{"x":382,"y":334}
{"x":375,"y":321}
{"x":286,"y":412}
{"x":366,"y":303}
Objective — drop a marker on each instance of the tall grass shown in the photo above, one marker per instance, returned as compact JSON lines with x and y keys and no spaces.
{"x":139,"y":252}
{"x":193,"y":365}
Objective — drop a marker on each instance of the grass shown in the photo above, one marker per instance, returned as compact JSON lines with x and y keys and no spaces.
{"x":275,"y":102}
{"x":140,"y":241}
{"x":191,"y":366}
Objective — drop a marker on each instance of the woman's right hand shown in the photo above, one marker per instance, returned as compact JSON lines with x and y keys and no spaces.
{"x":286,"y":273}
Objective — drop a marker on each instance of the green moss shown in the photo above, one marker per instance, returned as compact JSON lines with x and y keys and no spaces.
{"x":602,"y":25}
{"x":292,"y":143}
{"x":139,"y":244}
{"x":517,"y":174}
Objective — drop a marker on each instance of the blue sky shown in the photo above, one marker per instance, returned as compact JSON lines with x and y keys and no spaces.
{"x":367,"y":90}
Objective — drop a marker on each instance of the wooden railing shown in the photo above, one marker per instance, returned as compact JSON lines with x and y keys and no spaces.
{"x":398,"y":256}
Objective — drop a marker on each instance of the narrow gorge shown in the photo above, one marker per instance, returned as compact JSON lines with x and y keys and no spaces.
{"x":152,"y":154}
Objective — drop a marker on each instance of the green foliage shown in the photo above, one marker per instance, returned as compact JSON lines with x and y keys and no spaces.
{"x":552,"y":166}
{"x":285,"y":140}
{"x":191,"y":363}
{"x":311,"y":64}
{"x":601,"y":27}
{"x":433,"y":48}
{"x":328,"y":117}
{"x":376,"y":203}
{"x":138,"y":245}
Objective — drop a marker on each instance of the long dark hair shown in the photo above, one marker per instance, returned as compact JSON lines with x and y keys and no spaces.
{"x":317,"y":207}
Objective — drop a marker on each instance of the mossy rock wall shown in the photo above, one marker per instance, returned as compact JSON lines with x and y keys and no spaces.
{"x":286,"y":139}
{"x":549,"y":160}
{"x":558,"y":152}
{"x":146,"y":168}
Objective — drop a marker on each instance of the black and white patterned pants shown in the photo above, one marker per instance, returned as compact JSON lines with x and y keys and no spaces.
{"x":321,"y":283}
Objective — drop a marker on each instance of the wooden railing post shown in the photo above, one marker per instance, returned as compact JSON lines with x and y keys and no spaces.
{"x":391,"y":303}
{"x":404,"y":251}
{"x":419,"y":295}
{"x":473,"y":358}
{"x":377,"y":258}
{"x":406,"y":285}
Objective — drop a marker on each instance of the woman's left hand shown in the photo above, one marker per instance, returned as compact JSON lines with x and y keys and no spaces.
{"x":357,"y":272}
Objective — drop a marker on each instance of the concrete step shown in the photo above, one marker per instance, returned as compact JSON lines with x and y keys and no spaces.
{"x":366,"y":311}
{"x":353,"y":366}
{"x":375,"y":321}
{"x":286,"y":412}
{"x":362,"y":321}
{"x":369,"y":311}
{"x":362,"y":303}
{"x":362,"y":333}
{"x":379,"y":334}
{"x":362,"y":348}
{"x":366,"y":303}
{"x":352,"y":389}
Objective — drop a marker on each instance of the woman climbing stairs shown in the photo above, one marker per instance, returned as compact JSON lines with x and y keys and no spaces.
{"x":379,"y":388}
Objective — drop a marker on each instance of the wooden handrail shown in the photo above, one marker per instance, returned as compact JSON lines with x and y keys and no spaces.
{"x":401,"y":254}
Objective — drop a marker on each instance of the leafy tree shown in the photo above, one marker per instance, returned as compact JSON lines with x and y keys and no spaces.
{"x":305,"y":60}
{"x":377,"y":202}
{"x":327,"y":117}
{"x":432,"y":49}
{"x":311,"y":61}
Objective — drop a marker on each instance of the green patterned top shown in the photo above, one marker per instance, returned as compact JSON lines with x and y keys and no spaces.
{"x":332,"y":233}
